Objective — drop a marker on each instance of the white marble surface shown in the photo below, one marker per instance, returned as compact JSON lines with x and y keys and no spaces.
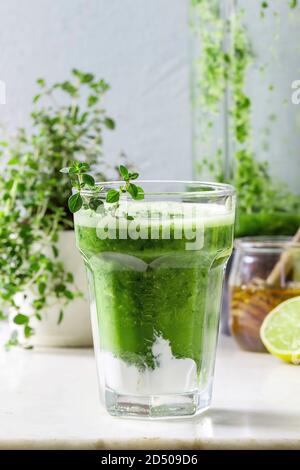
{"x":49,"y":399}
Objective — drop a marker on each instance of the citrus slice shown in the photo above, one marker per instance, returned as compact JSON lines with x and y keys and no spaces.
{"x":280,"y":331}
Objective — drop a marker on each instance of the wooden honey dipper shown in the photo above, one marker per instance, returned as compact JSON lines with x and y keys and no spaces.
{"x":284,"y":265}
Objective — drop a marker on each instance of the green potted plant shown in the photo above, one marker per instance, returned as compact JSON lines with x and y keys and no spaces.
{"x":40,"y":269}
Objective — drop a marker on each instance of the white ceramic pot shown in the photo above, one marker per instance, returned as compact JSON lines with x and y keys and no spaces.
{"x":75,"y":328}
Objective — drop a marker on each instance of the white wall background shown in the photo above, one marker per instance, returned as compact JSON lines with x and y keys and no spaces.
{"x":139,"y":46}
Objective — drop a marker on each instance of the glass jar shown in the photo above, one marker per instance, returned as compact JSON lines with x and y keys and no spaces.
{"x":265,"y":272}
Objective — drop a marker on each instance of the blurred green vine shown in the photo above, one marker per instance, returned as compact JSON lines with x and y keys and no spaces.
{"x":66,"y":123}
{"x":221,"y":66}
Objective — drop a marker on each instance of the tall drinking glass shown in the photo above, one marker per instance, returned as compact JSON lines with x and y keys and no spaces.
{"x":155,"y":271}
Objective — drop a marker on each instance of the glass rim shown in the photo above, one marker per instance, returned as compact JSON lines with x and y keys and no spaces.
{"x":265,"y":242}
{"x":217,"y":189}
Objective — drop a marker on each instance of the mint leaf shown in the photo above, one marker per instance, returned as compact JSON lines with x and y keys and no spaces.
{"x":88,"y":179}
{"x":124,"y":172}
{"x":42,"y":287}
{"x":13,"y":161}
{"x":112,"y":196}
{"x":82,"y":166}
{"x":36,"y":98}
{"x":133,"y":176}
{"x":68,"y":294}
{"x":55,"y":251}
{"x":41,"y":82}
{"x":21,"y":319}
{"x":95,"y":203}
{"x":109,"y":123}
{"x":75,"y":202}
{"x":141,"y":193}
{"x":132,"y":189}
{"x":28,"y":331}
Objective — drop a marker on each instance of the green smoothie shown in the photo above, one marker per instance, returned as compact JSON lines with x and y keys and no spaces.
{"x":146,"y":288}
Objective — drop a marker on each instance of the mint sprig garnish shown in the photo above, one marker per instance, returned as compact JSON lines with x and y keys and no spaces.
{"x":136,"y":192}
{"x":82,"y":180}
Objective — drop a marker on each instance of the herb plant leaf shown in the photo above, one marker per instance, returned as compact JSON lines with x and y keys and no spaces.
{"x":124,"y":172}
{"x":21,"y":319}
{"x":95,"y":203}
{"x":112,"y":196}
{"x":88,"y":179}
{"x":28,"y":331}
{"x":109,"y":123}
{"x":133,"y":190}
{"x":75,"y":202}
{"x":133,"y":176}
{"x":80,"y":179}
{"x":60,"y":317}
{"x":140,"y":194}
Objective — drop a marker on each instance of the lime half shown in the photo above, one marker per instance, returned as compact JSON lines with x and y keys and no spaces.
{"x":280,"y":331}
